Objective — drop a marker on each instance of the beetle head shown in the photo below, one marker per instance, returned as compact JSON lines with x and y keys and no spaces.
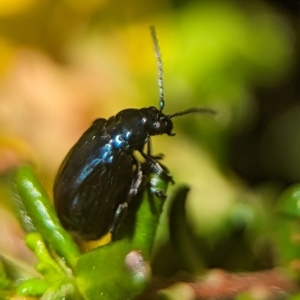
{"x":156,"y":122}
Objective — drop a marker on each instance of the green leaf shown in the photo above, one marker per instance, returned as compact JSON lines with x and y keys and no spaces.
{"x":47,"y":265}
{"x":121,"y":269}
{"x":5,"y":283}
{"x":180,"y":234}
{"x":289,"y":202}
{"x":288,"y":229}
{"x":32,"y":287}
{"x":32,"y":196}
{"x":63,"y":289}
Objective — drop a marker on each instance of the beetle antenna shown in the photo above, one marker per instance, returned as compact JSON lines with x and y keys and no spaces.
{"x":160,"y":68}
{"x":193,"y":110}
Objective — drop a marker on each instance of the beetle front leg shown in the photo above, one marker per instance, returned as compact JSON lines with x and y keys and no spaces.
{"x":156,"y":167}
{"x":154,"y":189}
{"x":158,"y":156}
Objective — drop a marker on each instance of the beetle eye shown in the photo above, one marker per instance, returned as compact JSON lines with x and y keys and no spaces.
{"x":157,"y":125}
{"x":168,"y":124}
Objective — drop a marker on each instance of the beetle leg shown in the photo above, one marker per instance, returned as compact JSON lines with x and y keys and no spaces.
{"x":123,"y":207}
{"x":119,"y":217}
{"x":136,"y":182}
{"x":149,"y":147}
{"x":155,"y":167}
{"x":152,"y":183}
{"x":158,"y":156}
{"x":158,"y":192}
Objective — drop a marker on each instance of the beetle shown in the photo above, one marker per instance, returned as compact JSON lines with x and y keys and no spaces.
{"x":100,"y":175}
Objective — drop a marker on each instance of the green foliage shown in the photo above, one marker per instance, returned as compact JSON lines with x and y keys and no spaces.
{"x":119,"y":270}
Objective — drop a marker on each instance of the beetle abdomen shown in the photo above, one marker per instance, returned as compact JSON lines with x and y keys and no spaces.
{"x":88,"y":209}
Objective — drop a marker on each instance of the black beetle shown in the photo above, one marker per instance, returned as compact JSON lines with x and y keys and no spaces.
{"x":100,"y":175}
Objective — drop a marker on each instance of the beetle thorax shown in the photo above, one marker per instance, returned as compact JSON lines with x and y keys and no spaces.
{"x":127,"y":131}
{"x":131,"y":128}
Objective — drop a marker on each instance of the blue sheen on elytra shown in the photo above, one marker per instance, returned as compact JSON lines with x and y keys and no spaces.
{"x":105,"y":155}
{"x":118,"y":141}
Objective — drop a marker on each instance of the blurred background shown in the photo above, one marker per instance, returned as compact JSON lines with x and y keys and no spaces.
{"x":65,"y":63}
